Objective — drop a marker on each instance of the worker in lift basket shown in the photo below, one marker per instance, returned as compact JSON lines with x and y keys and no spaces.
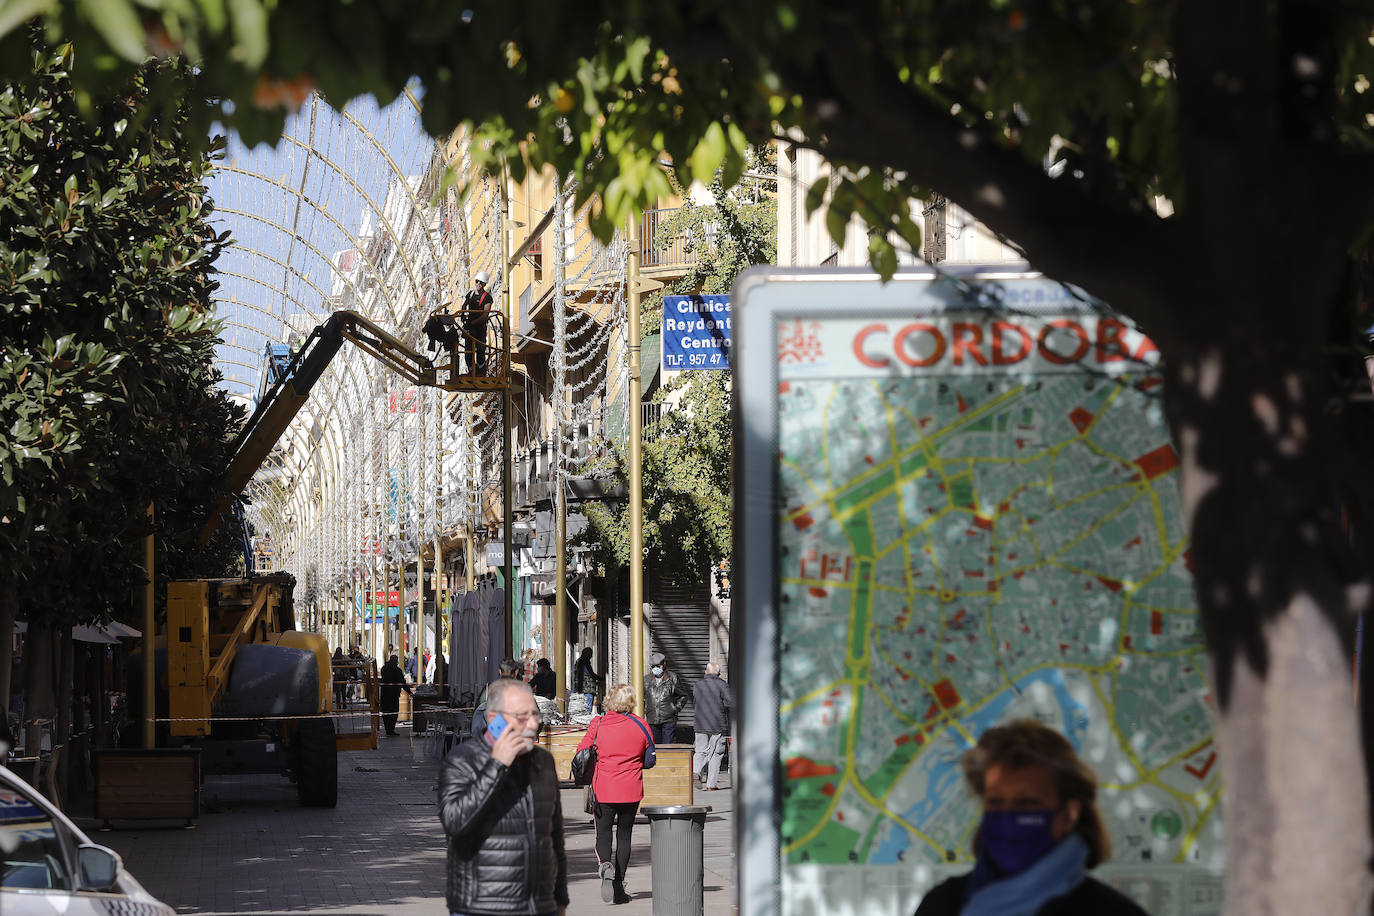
{"x":477,"y":305}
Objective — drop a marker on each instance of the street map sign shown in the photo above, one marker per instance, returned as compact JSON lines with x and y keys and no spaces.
{"x":696,"y":332}
{"x":959,"y":507}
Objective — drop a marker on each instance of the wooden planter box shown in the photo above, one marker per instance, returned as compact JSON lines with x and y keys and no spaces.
{"x":668,"y":783}
{"x":562,"y":742}
{"x":158,"y":784}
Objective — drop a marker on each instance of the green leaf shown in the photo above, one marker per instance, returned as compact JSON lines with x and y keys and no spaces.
{"x":709,"y":154}
{"x":15,"y":12}
{"x":882,"y":256}
{"x":215,"y":15}
{"x":815,"y":195}
{"x":118,"y":24}
{"x":837,"y":223}
{"x":735,"y":159}
{"x":250,"y":33}
{"x":909,"y":232}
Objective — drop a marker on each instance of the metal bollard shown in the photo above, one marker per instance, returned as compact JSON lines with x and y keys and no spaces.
{"x":676,"y":852}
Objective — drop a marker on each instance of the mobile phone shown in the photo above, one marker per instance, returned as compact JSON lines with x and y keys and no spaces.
{"x":496,"y":725}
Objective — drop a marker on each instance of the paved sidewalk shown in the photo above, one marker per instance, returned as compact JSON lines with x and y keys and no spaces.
{"x":255,"y":850}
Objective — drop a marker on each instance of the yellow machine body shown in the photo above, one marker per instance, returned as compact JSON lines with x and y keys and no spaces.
{"x":207,"y":621}
{"x":319,"y":647}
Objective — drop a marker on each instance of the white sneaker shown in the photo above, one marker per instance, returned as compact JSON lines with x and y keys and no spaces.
{"x":607,"y":881}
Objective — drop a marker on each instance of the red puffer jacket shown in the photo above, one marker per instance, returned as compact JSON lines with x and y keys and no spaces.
{"x":621,"y":739}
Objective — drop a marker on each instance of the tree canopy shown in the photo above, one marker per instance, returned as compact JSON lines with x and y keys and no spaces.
{"x":1133,"y":100}
{"x":110,"y":398}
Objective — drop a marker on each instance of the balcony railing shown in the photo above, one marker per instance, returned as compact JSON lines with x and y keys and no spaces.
{"x":649,"y":415}
{"x":675,"y":255}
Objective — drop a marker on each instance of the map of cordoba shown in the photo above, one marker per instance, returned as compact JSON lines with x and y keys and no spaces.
{"x":962,"y":548}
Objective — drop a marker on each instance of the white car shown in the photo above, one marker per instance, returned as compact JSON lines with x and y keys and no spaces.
{"x":47,"y":865}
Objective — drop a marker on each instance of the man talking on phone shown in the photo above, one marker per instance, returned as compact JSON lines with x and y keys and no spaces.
{"x":500,"y":807}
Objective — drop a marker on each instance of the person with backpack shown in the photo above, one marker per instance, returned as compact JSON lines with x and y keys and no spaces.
{"x":586,"y":680}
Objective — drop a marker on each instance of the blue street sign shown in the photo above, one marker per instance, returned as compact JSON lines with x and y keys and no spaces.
{"x":696,"y":332}
{"x":372,"y":613}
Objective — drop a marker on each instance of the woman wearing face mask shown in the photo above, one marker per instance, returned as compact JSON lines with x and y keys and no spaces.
{"x":1040,"y":833}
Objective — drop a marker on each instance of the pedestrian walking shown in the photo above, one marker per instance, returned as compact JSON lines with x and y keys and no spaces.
{"x":477,"y":305}
{"x":586,"y":680}
{"x":412,"y":665}
{"x":1040,"y":834}
{"x":545,"y":682}
{"x":509,"y":668}
{"x":392,"y":683}
{"x":355,"y":674}
{"x":624,"y":748}
{"x":338,"y":672}
{"x":712,"y":701}
{"x":501,"y":811}
{"x":440,"y":669}
{"x":664,"y":697}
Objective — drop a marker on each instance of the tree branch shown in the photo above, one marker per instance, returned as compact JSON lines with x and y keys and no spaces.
{"x":867,"y":115}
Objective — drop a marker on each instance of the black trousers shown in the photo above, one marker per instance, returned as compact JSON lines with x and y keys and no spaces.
{"x":475,"y":334}
{"x":622,"y":814}
{"x":389,"y":709}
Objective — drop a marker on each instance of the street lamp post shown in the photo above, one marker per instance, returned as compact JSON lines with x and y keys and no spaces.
{"x":636,"y":494}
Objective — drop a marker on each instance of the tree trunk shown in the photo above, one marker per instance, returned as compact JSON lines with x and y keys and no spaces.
{"x":9,"y":611}
{"x":38,"y":684}
{"x":100,"y":704}
{"x":1278,"y":590}
{"x":62,"y":727}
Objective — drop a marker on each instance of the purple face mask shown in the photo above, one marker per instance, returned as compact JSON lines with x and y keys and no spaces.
{"x":1015,"y":840}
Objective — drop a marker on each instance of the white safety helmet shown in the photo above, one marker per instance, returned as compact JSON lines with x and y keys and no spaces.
{"x":480,"y":277}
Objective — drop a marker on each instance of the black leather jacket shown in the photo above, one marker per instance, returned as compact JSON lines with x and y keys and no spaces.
{"x":664,"y":698}
{"x":505,"y":832}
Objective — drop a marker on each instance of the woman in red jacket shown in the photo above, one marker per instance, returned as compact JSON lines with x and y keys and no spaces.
{"x":623,"y":748}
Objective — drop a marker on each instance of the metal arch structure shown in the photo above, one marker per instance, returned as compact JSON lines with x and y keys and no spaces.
{"x":350,"y":212}
{"x":334,"y":219}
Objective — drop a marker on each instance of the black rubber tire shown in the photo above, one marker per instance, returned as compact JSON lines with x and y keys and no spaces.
{"x":317,"y":770}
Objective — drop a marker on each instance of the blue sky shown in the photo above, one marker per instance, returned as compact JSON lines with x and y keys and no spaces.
{"x":289,"y":212}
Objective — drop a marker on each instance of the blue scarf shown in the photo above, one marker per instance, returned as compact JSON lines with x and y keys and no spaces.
{"x":1058,"y":873}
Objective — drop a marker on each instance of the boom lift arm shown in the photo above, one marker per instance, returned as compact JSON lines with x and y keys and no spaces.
{"x":284,"y":400}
